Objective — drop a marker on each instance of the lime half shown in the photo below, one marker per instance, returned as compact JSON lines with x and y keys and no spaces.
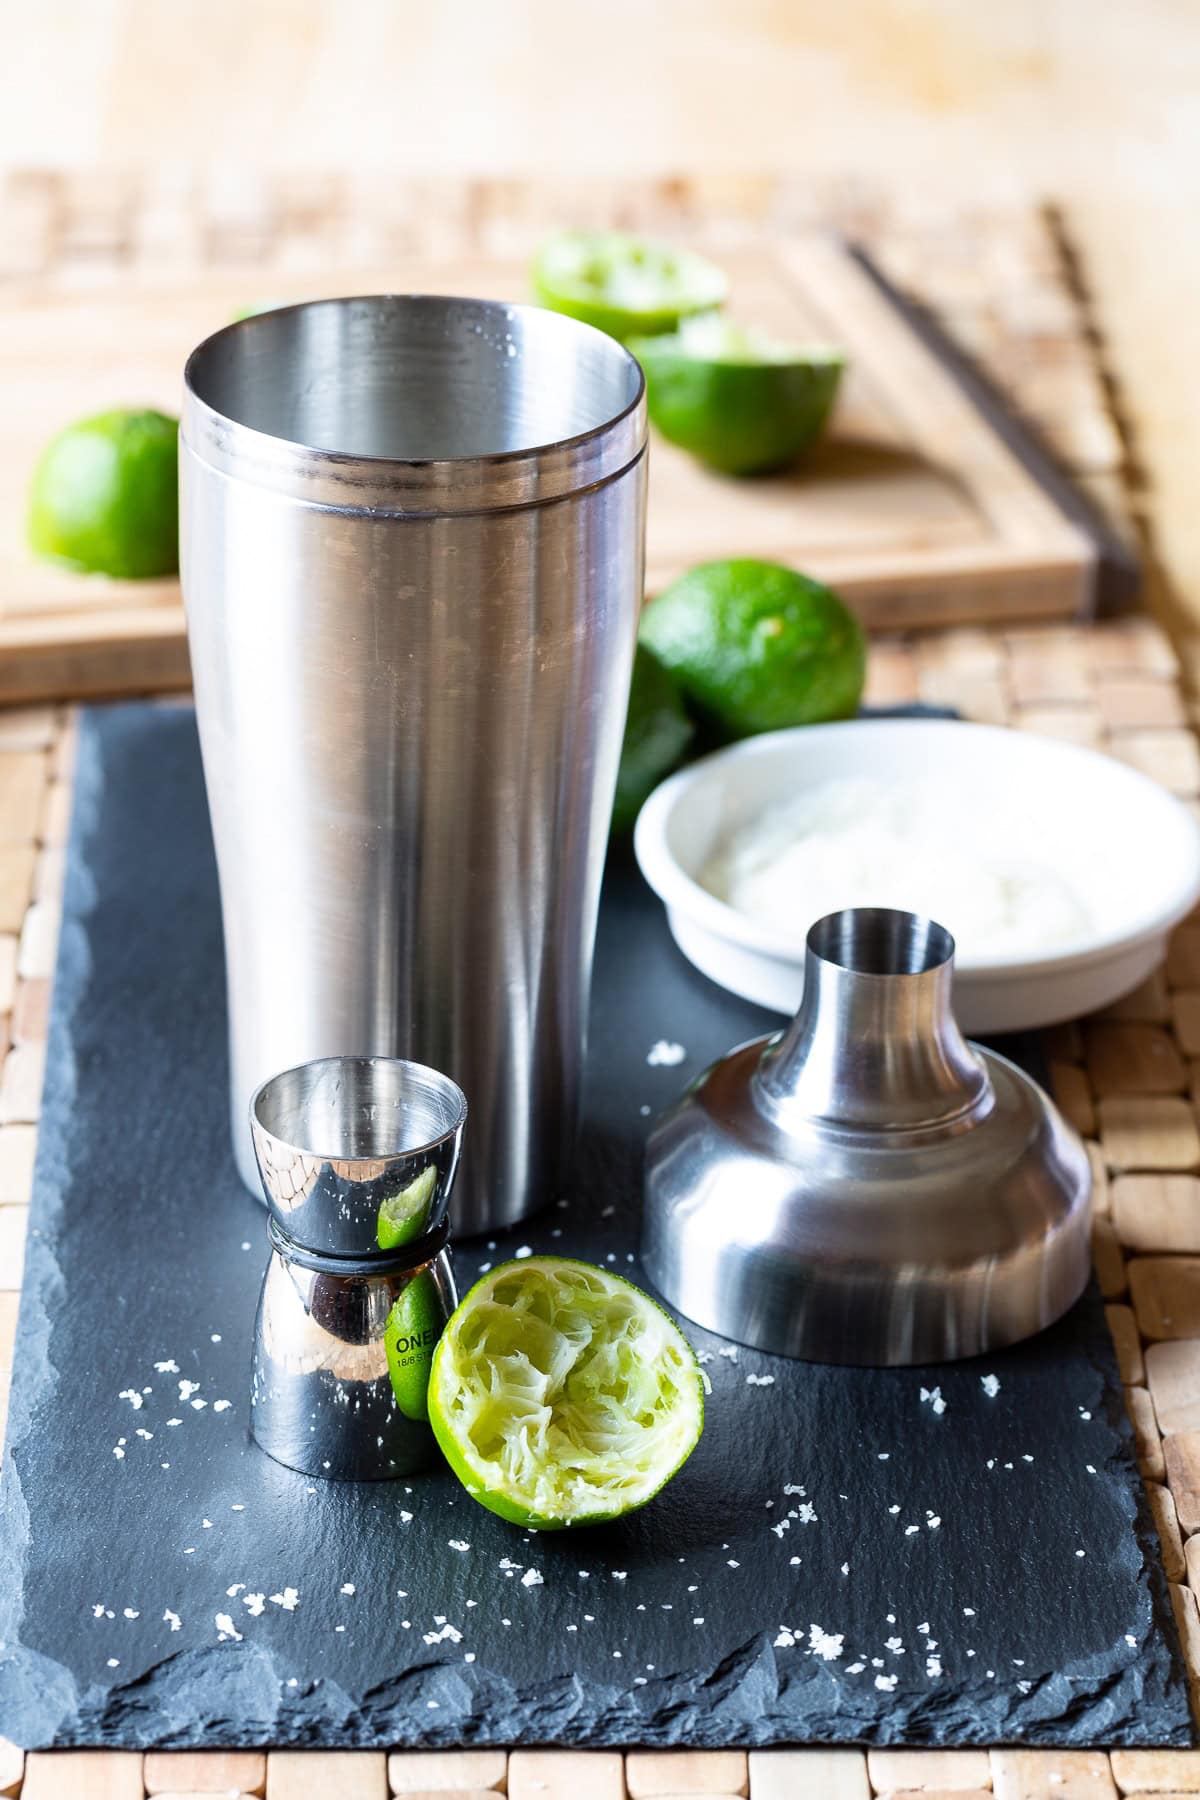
{"x":738,"y":400}
{"x":563,"y":1395}
{"x":404,"y":1216}
{"x":627,"y":286}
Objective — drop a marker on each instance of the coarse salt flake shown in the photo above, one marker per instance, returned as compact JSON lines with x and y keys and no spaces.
{"x":825,"y":1644}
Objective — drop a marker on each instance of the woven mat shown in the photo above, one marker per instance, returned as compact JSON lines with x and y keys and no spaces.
{"x":1005,"y":284}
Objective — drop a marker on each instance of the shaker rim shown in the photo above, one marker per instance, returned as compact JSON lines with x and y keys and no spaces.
{"x":400,"y":1063}
{"x":552,"y":468}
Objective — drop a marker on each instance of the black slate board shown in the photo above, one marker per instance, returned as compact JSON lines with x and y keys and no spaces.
{"x":842,"y":1559}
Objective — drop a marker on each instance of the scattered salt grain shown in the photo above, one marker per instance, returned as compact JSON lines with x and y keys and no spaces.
{"x":532,"y":1578}
{"x":134,"y":1398}
{"x":447,"y":1634}
{"x":172,"y":1619}
{"x":825,"y":1644}
{"x":933,"y":1398}
{"x":990,"y":1385}
{"x":227,"y":1629}
{"x":663,"y":1054}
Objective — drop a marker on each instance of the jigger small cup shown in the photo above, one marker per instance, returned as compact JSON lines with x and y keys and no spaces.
{"x":340,"y":1141}
{"x":357,"y":1156}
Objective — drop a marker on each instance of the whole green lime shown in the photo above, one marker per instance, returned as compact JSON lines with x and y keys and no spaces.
{"x":736,"y":399}
{"x":657,"y":732}
{"x":106,"y":496}
{"x":410,"y":1337}
{"x":625,"y":285}
{"x":758,"y":647}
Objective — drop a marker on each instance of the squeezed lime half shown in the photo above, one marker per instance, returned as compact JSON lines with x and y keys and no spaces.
{"x":404,"y":1216}
{"x":562,"y":1395}
{"x":737,"y":399}
{"x":625,"y":285}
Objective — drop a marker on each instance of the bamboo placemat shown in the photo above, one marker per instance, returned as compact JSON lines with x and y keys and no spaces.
{"x":1128,"y":1079}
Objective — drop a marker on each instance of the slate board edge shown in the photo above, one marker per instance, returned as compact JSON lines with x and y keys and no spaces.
{"x":178,"y":1703}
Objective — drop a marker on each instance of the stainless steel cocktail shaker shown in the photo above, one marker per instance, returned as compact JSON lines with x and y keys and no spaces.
{"x":866,"y":1186}
{"x":357,"y":1156}
{"x":412,"y":552}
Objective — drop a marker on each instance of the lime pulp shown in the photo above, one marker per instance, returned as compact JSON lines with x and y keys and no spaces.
{"x":625,"y":285}
{"x":562,"y":1395}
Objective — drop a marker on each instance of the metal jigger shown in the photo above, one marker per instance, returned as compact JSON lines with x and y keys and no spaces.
{"x":867,"y":1187}
{"x":357,"y":1156}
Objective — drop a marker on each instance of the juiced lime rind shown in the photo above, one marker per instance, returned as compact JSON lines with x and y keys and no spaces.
{"x":739,"y":401}
{"x":623,"y":284}
{"x":403,"y":1216}
{"x":542,"y":1416}
{"x":105,"y":496}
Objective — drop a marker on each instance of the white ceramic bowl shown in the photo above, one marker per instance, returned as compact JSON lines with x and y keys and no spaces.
{"x":1124,"y":843}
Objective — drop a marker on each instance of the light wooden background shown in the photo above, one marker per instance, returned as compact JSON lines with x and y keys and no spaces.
{"x":1095,"y":101}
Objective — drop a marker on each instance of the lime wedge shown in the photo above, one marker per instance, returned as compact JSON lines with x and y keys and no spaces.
{"x":562,"y":1395}
{"x":627,"y":286}
{"x":736,"y":398}
{"x":404,"y":1216}
{"x":409,"y":1338}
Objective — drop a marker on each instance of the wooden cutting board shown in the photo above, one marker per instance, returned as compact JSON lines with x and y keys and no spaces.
{"x":915,"y":507}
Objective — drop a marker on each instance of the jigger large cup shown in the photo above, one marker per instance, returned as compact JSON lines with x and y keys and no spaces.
{"x":412,"y":553}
